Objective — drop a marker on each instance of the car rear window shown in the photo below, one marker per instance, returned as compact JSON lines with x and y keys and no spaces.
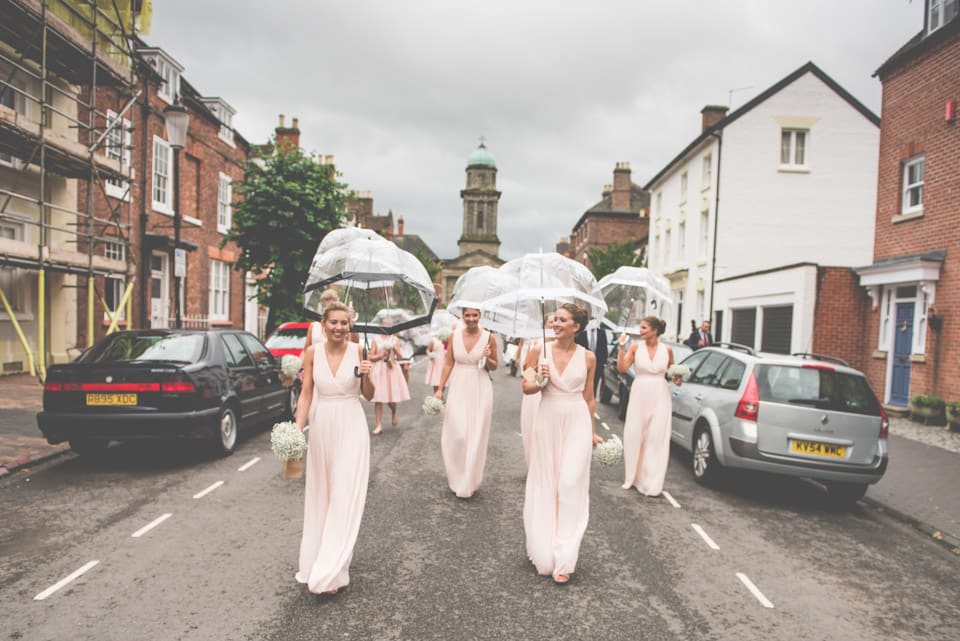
{"x":816,"y":387}
{"x":288,"y":338}
{"x":125,"y":348}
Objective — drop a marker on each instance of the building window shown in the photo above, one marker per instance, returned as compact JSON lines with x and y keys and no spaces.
{"x":706,"y":176}
{"x":656,"y":251}
{"x":224,"y":207}
{"x":666,"y":248}
{"x":659,"y":202}
{"x":114,"y":250}
{"x":113,"y":295}
{"x":162,"y":165}
{"x":683,"y":187}
{"x":913,"y":171}
{"x":117,"y":147}
{"x":480,"y":218}
{"x":886,"y":314}
{"x":701,"y":304}
{"x":13,"y":280}
{"x":793,"y":147}
{"x":681,"y":240}
{"x":219,"y":290}
{"x":170,"y":84}
{"x":11,"y":98}
{"x":941,"y":12}
{"x":704,"y":232}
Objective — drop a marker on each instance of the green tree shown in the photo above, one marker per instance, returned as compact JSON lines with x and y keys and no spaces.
{"x":287,"y":204}
{"x":432,"y":265}
{"x":606,"y":260}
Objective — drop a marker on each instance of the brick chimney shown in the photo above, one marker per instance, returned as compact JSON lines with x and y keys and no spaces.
{"x":620,"y":195}
{"x":400,"y":226}
{"x":712,"y":114}
{"x":288,"y":137}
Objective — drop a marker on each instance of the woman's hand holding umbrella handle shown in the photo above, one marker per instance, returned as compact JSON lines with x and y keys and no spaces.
{"x":622,"y":340}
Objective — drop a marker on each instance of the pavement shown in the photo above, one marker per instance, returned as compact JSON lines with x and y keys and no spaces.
{"x":921,"y":486}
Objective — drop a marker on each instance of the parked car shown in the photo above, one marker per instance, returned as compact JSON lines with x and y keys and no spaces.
{"x":614,"y":384}
{"x":163,"y":384}
{"x":289,"y":339}
{"x":803,"y":415}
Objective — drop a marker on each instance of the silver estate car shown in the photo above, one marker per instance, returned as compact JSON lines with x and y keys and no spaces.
{"x":803,"y":415}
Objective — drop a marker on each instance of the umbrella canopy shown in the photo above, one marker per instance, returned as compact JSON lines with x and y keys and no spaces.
{"x":547,"y":280}
{"x":478,"y":285}
{"x":632,"y":293}
{"x":344,"y":236}
{"x":371,"y":275}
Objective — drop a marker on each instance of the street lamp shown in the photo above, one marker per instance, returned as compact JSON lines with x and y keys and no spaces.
{"x":177,"y":119}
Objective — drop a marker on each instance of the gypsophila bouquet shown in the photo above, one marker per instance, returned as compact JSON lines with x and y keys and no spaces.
{"x":432,"y":406}
{"x":287,"y":441}
{"x":433,"y":356}
{"x":679,"y":371}
{"x":290,"y":365}
{"x":608,"y":453}
{"x":443,"y":334}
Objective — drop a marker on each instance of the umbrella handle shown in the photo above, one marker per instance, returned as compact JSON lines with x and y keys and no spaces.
{"x":356,"y":368}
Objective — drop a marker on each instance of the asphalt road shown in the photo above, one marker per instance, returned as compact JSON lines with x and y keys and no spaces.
{"x":430,"y":566}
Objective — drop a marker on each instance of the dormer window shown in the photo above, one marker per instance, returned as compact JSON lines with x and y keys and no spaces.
{"x":224,"y":113}
{"x":169,"y":71}
{"x":940,"y":12}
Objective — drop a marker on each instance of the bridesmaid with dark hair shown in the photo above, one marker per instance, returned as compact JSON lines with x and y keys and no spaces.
{"x":646,"y":429}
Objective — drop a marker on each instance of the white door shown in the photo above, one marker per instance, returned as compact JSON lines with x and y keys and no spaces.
{"x":159,"y":290}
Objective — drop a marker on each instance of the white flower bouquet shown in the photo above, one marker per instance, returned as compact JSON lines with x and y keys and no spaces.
{"x":289,"y":368}
{"x":679,"y":371}
{"x":608,"y":453}
{"x":443,"y":334}
{"x":289,"y":445}
{"x":432,"y":406}
{"x":433,"y":356}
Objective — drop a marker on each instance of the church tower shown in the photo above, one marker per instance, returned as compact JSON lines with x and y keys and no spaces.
{"x":480,"y":199}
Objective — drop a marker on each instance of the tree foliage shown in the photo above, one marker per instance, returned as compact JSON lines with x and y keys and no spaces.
{"x":287,"y":204}
{"x":607,"y":259}
{"x":432,"y":265}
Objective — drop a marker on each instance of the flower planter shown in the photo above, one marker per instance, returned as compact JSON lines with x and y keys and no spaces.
{"x":953,"y":420}
{"x":926,"y":415}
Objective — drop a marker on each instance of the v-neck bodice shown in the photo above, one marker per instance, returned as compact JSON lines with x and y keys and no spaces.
{"x":460,"y":353}
{"x":643,"y":365}
{"x":573,"y":379}
{"x":340,"y":384}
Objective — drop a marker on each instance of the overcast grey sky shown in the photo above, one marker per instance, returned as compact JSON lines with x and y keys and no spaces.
{"x":400,"y":91}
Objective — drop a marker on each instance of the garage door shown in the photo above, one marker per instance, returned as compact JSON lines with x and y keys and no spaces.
{"x":777,"y":329}
{"x":743,"y":326}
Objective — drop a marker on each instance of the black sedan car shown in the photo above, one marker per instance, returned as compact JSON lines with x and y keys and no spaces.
{"x":614,"y":384}
{"x":163,"y":384}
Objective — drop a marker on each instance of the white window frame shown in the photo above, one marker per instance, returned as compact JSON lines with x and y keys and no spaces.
{"x":943,"y":11}
{"x":659,"y":203}
{"x":704,"y":233}
{"x":14,"y":280}
{"x":886,"y":318}
{"x":224,"y":203}
{"x":795,"y":157}
{"x":701,"y":305}
{"x":656,"y":251}
{"x":117,"y":146}
{"x":162,"y":148}
{"x":684,"y":181}
{"x":170,"y":86}
{"x":666,"y":248}
{"x":706,"y":175}
{"x":219,"y":290}
{"x":114,"y":250}
{"x":682,"y":240}
{"x":115,"y":284}
{"x":912,"y":188}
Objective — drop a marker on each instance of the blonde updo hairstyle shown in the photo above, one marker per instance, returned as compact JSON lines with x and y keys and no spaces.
{"x":657,"y":324}
{"x":577,"y":313}
{"x":337,"y":306}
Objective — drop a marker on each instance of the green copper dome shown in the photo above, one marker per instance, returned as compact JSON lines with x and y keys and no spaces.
{"x":481,"y":156}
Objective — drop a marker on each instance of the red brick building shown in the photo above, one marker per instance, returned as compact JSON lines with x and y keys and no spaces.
{"x":912,"y":327}
{"x":622,"y":215}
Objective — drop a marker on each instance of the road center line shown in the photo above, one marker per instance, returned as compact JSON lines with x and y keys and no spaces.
{"x":705,"y":536}
{"x":200,"y":495}
{"x":64,"y":581}
{"x":152,"y":524}
{"x":670,"y":499}
{"x":754,"y":590}
{"x":605,"y":426}
{"x":596,"y":416}
{"x":246,"y":466}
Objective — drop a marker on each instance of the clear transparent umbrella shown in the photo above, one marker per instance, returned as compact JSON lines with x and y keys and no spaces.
{"x":632,"y":293}
{"x":372,"y":275}
{"x":478,"y":285}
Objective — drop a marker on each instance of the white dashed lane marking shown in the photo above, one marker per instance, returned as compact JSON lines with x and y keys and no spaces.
{"x":246,"y":466}
{"x":605,"y":426}
{"x":65,"y":581}
{"x":670,"y":499}
{"x":705,"y":536}
{"x":200,"y":495}
{"x":754,"y":590}
{"x":152,"y":524}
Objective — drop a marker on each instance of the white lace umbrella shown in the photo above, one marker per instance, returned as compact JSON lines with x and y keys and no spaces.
{"x":632,"y":293}
{"x":547,"y":280}
{"x":372,"y":275}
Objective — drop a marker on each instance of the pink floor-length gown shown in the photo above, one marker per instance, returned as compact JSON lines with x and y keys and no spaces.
{"x":338,"y":468}
{"x":390,"y":386}
{"x":318,"y":337}
{"x":435,"y":364}
{"x":528,"y":408}
{"x":556,"y":504}
{"x":646,"y":429}
{"x":466,"y":419}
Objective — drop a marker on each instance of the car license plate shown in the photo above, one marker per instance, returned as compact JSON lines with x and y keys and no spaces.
{"x":111,"y":399}
{"x":818,"y":449}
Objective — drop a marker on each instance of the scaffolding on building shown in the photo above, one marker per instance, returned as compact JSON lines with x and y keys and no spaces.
{"x":56,"y":57}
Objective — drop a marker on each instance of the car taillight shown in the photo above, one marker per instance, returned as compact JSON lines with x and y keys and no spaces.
{"x":749,"y":404}
{"x":111,"y":387}
{"x":177,"y":387}
{"x":53,"y":387}
{"x":818,"y":366}
{"x":884,"y":423}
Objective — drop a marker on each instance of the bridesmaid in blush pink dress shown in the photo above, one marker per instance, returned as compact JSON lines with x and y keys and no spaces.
{"x":646,"y":429}
{"x":469,"y":407}
{"x":556,"y":503}
{"x":436,"y":352}
{"x":388,"y":378}
{"x":338,"y":453}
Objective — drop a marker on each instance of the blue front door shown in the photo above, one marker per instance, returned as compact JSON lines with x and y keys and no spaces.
{"x":902,"y":342}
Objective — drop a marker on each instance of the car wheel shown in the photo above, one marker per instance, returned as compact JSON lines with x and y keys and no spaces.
{"x":705,"y":465}
{"x":89,"y":447}
{"x":623,"y":399}
{"x":225,"y":439}
{"x":845,"y":494}
{"x":605,"y":394}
